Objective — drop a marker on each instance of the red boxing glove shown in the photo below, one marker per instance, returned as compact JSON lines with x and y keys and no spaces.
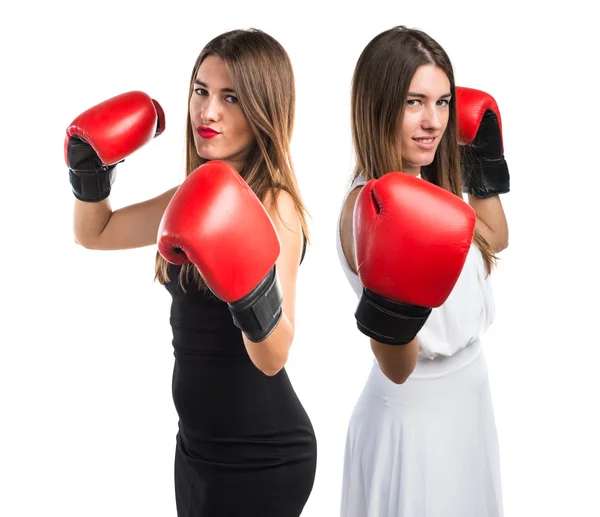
{"x":485,"y":172}
{"x":216,"y":222}
{"x":411,"y":239}
{"x":104,"y":135}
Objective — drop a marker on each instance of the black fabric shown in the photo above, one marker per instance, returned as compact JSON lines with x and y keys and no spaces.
{"x":245,"y":445}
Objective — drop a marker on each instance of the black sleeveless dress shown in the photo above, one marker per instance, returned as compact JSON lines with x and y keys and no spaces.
{"x":245,"y":445}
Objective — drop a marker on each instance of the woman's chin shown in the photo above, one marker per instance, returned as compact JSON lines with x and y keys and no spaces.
{"x":422,"y":160}
{"x":203,"y":153}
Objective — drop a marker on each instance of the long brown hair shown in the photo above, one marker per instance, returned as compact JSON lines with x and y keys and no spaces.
{"x":380,"y":86}
{"x":263,"y":79}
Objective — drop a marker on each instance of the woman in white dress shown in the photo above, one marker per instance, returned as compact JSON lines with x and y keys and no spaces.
{"x":422,"y":438}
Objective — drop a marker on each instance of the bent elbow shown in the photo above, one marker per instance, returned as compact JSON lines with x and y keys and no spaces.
{"x":399,"y":375}
{"x":401,"y":372}
{"x":271,"y":371}
{"x":81,"y":242}
{"x":271,"y":355}
{"x":399,"y":378}
{"x":273,"y":366}
{"x":501,"y":245}
{"x":88,"y":244}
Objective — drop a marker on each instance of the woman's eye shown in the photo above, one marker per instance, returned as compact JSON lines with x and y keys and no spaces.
{"x":201,"y":91}
{"x":231,"y":99}
{"x":413,"y":102}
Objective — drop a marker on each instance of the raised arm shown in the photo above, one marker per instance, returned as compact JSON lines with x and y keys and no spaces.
{"x":248,"y":258}
{"x":97,"y":227}
{"x":96,"y":141}
{"x":396,"y":223}
{"x":485,"y":171}
{"x":396,"y":362}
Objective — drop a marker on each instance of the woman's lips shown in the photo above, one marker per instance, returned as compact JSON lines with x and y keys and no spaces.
{"x":206,"y":132}
{"x":427,"y":143}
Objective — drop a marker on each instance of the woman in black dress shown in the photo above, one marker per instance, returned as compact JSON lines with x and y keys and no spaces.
{"x":245,"y":445}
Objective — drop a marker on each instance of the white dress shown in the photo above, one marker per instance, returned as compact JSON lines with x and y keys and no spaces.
{"x":428,"y":447}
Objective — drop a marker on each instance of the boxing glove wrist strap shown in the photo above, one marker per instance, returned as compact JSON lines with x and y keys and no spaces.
{"x":387,"y":321}
{"x":485,"y":177}
{"x":90,"y":178}
{"x":92,"y":186}
{"x":259,"y":312}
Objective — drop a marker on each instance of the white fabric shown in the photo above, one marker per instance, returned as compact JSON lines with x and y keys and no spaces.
{"x":428,"y":447}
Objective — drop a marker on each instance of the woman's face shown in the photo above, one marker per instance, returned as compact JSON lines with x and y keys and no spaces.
{"x":425,"y":117}
{"x":221,"y":132}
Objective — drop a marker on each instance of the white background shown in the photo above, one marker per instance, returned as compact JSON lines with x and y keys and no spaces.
{"x":87,"y":421}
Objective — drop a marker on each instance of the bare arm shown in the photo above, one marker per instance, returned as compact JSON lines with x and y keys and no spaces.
{"x":491,"y":221}
{"x":396,"y":362}
{"x":271,"y":354}
{"x":96,"y":226}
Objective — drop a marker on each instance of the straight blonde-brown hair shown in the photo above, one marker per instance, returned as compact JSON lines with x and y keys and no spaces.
{"x":263,"y":79}
{"x":380,"y":85}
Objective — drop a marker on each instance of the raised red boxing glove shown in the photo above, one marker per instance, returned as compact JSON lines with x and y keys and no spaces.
{"x":103,"y":136}
{"x":411,"y":239}
{"x":216,"y":222}
{"x":485,"y":172}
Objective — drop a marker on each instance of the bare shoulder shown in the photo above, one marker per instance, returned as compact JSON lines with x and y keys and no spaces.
{"x":281,"y":207}
{"x":346,"y":228}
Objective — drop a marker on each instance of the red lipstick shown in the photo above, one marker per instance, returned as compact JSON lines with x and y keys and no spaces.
{"x":206,"y":132}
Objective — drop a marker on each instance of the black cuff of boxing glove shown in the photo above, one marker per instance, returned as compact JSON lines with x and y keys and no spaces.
{"x":485,"y":177}
{"x":389,"y":322}
{"x":92,"y":186}
{"x":258,"y":313}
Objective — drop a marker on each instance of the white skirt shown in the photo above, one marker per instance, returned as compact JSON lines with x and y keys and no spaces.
{"x":425,"y":448}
